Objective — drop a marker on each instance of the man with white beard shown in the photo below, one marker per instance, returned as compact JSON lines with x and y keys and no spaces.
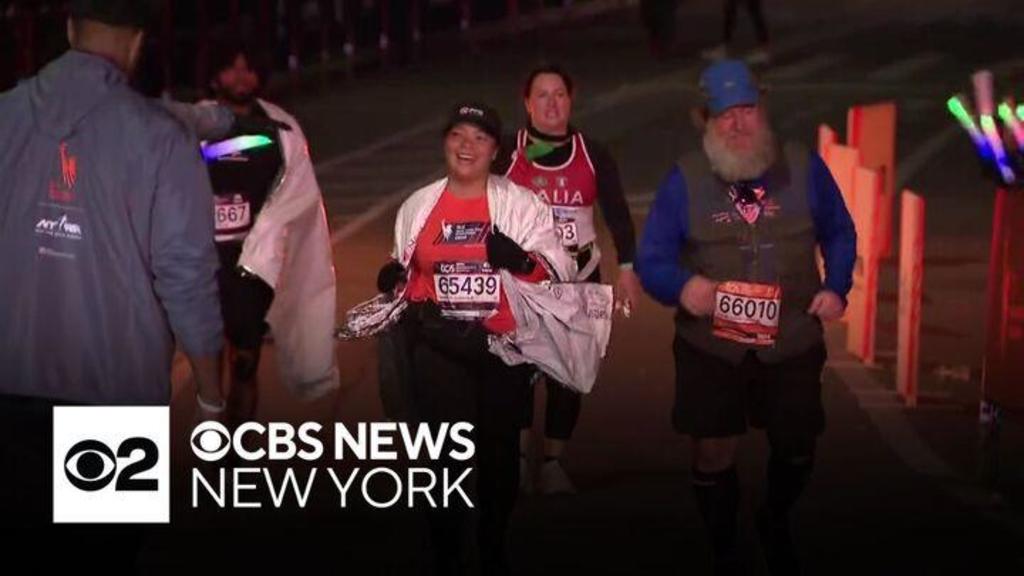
{"x":730,"y":241}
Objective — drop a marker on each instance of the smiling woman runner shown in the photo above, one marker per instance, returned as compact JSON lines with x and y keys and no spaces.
{"x":451,"y":239}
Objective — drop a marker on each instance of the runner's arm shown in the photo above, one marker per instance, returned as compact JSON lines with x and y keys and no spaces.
{"x":833,"y":227}
{"x":184,"y":260}
{"x":612,"y":200}
{"x":665,"y":233}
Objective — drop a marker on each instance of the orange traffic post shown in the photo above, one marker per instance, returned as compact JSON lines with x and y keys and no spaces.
{"x":826,"y":138}
{"x":872,"y":130}
{"x":862,"y":307}
{"x":911,"y":278}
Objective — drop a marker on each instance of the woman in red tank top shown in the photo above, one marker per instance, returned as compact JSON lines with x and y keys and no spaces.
{"x":573,"y":174}
{"x":455,"y":302}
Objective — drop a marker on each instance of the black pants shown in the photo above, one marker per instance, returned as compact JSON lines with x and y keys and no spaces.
{"x":561,"y":412}
{"x":490,"y":395}
{"x":26,"y":502}
{"x":756,"y":14}
{"x":716,"y":399}
{"x":244,"y":301}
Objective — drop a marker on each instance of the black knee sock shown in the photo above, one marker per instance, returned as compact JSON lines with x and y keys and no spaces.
{"x":718,"y":499}
{"x":787,"y":478}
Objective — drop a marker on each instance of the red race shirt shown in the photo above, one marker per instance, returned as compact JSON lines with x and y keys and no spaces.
{"x":450,"y":265}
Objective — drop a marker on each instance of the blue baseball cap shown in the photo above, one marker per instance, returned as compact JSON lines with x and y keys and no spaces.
{"x":728,"y":83}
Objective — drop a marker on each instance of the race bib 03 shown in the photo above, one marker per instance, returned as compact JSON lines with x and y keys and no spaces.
{"x":747,"y":313}
{"x":567,"y":232}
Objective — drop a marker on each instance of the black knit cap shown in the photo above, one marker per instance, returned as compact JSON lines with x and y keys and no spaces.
{"x":121,"y":13}
{"x":480,"y":115}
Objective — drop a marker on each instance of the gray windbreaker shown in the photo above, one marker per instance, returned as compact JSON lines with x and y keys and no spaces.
{"x":106,"y":239}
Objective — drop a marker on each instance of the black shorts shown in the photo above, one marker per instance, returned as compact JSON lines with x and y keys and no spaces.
{"x":244,"y":302}
{"x":716,"y":398}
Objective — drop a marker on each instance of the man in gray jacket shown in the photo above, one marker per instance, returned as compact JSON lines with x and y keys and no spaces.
{"x":107,"y":258}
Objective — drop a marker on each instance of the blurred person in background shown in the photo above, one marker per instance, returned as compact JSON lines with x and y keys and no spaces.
{"x":759,"y":55}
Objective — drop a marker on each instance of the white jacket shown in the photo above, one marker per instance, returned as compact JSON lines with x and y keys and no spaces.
{"x":289,"y":247}
{"x":561,"y":328}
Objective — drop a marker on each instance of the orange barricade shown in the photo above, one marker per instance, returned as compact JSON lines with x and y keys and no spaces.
{"x":863,"y":298}
{"x":872,"y":130}
{"x":826,"y":137}
{"x":911,"y":285}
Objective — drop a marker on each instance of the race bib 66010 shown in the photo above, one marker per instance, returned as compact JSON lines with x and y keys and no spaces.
{"x":747,"y":313}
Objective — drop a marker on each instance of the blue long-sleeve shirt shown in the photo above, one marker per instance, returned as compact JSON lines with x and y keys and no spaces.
{"x":667,"y":231}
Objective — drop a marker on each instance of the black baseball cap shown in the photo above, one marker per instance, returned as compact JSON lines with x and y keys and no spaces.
{"x":121,"y":13}
{"x":480,"y":115}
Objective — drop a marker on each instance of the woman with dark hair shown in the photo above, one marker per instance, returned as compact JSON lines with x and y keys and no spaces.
{"x":458,"y":242}
{"x":571,"y":173}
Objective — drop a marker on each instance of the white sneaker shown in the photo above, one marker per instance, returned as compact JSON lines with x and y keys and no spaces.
{"x":525,"y":482}
{"x":554,"y":480}
{"x":720,"y":52}
{"x":759,"y":56}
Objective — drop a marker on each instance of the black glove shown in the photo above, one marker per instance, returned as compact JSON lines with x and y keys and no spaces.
{"x":503,"y":252}
{"x":389,"y":276}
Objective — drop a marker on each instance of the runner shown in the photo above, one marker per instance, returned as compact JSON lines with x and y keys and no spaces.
{"x":572,"y":173}
{"x":760,"y":55}
{"x":730,"y":241}
{"x":451,"y":240}
{"x":270,"y":225}
{"x":659,"y":18}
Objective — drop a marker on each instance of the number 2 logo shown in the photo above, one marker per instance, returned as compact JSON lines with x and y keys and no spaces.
{"x":91,"y":465}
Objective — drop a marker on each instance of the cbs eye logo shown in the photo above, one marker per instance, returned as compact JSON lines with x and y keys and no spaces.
{"x":210,"y":441}
{"x":111,"y":464}
{"x":91,"y":465}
